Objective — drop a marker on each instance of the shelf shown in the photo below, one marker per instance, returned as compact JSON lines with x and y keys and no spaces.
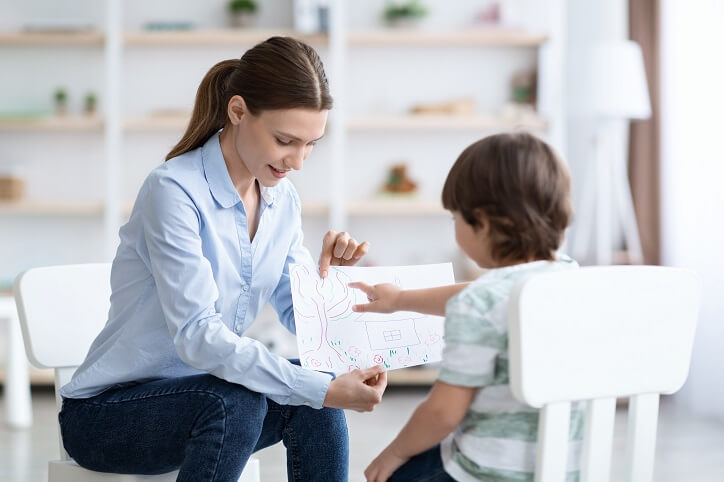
{"x":229,"y":37}
{"x":374,"y":123}
{"x":157,"y":123}
{"x":54,"y":123}
{"x":443,"y":122}
{"x":412,"y":376}
{"x":395,"y":207}
{"x":483,"y":37}
{"x":51,"y":208}
{"x":50,"y":39}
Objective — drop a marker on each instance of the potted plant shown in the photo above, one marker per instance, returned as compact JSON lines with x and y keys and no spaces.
{"x":60,"y":96}
{"x":242,"y":12}
{"x":90,"y":102}
{"x":406,"y":14}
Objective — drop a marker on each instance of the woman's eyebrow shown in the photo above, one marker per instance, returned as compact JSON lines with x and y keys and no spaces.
{"x":295,"y":138}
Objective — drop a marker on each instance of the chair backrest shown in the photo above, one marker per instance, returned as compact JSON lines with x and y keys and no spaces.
{"x":595,"y":334}
{"x":62,"y":309}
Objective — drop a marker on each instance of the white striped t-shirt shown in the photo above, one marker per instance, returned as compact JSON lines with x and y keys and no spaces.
{"x":496,"y":441}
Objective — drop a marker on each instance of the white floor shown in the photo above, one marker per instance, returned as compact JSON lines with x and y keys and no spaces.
{"x":690,"y":448}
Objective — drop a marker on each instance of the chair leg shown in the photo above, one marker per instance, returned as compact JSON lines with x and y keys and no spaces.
{"x":552,"y":450}
{"x":17,"y":384}
{"x":641,"y":441}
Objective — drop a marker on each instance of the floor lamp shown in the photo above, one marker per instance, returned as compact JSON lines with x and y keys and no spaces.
{"x":608,"y":88}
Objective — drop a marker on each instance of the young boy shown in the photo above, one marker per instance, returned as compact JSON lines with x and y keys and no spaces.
{"x":509,"y":196}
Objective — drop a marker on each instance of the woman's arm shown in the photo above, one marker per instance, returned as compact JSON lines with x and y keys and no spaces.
{"x":386,"y":298}
{"x":433,"y":420}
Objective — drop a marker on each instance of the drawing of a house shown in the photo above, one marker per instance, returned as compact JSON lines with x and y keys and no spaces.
{"x":385,"y":333}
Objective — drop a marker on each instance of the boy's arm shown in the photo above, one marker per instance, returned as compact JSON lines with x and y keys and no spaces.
{"x":386,"y":298}
{"x":433,"y":420}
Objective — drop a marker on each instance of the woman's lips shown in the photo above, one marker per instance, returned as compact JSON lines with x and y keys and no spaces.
{"x":277,"y":173}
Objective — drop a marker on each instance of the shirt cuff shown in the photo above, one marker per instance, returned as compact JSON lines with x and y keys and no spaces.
{"x":310,"y":388}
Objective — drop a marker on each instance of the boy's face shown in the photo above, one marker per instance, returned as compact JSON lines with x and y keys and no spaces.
{"x":475,"y":242}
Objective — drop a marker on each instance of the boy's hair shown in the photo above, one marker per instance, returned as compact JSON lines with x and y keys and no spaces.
{"x":518,"y":183}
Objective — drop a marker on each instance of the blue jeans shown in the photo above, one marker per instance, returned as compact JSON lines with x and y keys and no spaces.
{"x":424,"y":467}
{"x":203,"y":426}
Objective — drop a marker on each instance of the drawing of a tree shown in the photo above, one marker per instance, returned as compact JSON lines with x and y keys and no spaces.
{"x":322,"y":301}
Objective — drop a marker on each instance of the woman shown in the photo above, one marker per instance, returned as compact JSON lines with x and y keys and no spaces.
{"x":171,"y":382}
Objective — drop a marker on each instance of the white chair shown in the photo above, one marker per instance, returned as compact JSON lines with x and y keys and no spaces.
{"x":592,"y":335}
{"x":61,"y":310}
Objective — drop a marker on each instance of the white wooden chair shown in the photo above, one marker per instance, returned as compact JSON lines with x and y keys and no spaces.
{"x":61,"y":310}
{"x":592,"y":335}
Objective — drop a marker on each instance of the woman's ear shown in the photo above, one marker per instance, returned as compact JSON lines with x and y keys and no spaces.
{"x":236,"y":109}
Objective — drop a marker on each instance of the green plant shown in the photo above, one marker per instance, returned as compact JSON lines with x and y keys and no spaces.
{"x":243,"y":6}
{"x":90,"y":101}
{"x":411,"y":9}
{"x":60,"y":95}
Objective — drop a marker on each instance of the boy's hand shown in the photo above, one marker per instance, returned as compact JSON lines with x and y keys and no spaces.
{"x":340,"y":249}
{"x":383,"y":298}
{"x":384,"y":466}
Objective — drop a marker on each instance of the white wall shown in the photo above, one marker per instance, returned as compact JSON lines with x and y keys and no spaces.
{"x":692,"y":113}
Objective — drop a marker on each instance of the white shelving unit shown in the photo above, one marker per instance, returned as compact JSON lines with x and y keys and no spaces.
{"x":339,"y":208}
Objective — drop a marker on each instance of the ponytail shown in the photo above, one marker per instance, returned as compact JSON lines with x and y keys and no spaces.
{"x":279,"y":73}
{"x":209,"y":114}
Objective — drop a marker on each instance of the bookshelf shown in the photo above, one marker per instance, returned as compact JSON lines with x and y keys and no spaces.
{"x":341,"y":46}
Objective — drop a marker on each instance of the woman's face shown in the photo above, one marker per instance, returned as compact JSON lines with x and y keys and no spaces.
{"x":276,"y":141}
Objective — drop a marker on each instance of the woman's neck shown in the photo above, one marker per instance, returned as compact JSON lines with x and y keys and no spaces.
{"x":241,"y":177}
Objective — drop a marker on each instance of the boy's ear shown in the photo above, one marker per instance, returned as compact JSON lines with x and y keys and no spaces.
{"x":483,"y":222}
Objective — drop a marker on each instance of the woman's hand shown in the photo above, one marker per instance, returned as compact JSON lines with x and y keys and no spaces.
{"x":340,"y":249}
{"x":384,"y":465}
{"x":359,"y":390}
{"x":383,"y":298}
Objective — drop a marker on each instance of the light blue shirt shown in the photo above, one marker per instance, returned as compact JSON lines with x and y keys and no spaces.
{"x":187,"y":282}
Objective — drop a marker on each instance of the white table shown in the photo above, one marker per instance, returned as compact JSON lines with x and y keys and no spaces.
{"x":18,"y":410}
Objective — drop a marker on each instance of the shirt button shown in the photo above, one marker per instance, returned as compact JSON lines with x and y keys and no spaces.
{"x":245,"y":288}
{"x":238,"y":327}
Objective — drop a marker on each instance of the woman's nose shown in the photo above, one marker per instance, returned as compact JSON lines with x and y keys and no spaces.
{"x":296,"y":161}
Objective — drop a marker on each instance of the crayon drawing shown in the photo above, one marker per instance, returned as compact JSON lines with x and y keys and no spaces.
{"x":332,"y":337}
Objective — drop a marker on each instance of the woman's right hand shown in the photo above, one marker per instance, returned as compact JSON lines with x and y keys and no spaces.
{"x":358,"y":390}
{"x":383,"y":297}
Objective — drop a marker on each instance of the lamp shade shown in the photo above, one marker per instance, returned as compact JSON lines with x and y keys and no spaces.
{"x":607,"y":80}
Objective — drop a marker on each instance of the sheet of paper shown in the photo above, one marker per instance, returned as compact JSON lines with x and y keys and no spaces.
{"x":331,"y":337}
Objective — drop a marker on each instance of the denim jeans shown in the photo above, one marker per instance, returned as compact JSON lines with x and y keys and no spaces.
{"x":203,"y":426}
{"x":424,"y":467}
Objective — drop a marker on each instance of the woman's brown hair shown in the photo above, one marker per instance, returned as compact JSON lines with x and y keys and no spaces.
{"x":279,"y":73}
{"x":517,"y":183}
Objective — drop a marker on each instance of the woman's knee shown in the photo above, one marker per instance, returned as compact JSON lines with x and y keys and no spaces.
{"x":237,"y":411}
{"x":329,"y":421}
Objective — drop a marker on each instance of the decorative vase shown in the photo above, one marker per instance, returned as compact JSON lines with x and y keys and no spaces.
{"x":242,"y":19}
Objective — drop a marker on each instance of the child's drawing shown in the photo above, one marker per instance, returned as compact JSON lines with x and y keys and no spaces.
{"x":332,"y":337}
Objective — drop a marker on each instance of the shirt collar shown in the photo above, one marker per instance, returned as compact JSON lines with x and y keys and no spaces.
{"x":217,"y":176}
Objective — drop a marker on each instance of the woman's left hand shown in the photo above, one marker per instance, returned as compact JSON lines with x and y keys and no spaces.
{"x":340,"y":249}
{"x":384,"y":466}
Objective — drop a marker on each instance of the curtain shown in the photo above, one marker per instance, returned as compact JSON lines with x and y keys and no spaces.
{"x":644,"y":150}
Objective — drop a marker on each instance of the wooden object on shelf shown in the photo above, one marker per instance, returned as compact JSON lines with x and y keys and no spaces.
{"x":465,"y":106}
{"x":11,"y":188}
{"x":398,"y":181}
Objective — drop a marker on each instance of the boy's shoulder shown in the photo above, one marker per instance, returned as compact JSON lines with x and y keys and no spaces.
{"x":495,"y":285}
